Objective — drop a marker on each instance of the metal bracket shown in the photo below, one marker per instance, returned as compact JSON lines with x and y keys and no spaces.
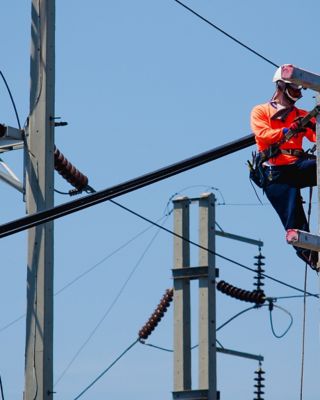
{"x":240,"y":354}
{"x":10,"y":178}
{"x":192,"y":272}
{"x":190,"y":395}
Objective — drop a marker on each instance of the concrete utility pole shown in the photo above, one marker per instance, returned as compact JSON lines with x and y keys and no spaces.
{"x":205,"y":273}
{"x":39,"y":158}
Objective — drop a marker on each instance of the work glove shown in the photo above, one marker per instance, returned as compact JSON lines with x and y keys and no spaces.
{"x":311,"y":125}
{"x":296,"y":127}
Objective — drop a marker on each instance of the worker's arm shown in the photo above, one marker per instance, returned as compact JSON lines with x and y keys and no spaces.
{"x":311,"y":131}
{"x":261,"y":127}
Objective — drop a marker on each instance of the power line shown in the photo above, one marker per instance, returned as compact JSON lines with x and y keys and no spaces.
{"x":279,"y":336}
{"x":86,"y":272}
{"x":212,"y":252}
{"x":106,"y":370}
{"x":11,"y":98}
{"x":62,"y":210}
{"x":227,"y":34}
{"x":1,"y":388}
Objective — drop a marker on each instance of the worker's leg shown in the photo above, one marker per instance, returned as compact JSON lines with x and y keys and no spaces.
{"x":287,"y":202}
{"x":305,"y":174}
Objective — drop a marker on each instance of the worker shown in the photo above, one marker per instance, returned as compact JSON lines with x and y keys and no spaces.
{"x":291,"y":169}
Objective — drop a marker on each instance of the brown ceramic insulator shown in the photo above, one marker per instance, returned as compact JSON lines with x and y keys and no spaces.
{"x":255,"y":296}
{"x":157,"y":315}
{"x":68,"y":171}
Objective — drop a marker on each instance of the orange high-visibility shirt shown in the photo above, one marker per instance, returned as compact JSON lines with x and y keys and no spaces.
{"x":268,"y":131}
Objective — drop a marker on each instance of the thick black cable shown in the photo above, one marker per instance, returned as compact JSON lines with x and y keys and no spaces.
{"x":126,"y":187}
{"x":62,"y":210}
{"x":227,"y":34}
{"x":11,"y":98}
{"x":106,"y":370}
{"x":1,"y":388}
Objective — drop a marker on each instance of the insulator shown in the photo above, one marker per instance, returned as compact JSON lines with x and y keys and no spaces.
{"x":254,"y":296}
{"x":157,"y":315}
{"x":259,"y":270}
{"x":259,"y":383}
{"x":68,"y":171}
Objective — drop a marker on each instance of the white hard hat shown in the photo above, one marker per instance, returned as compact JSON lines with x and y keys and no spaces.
{"x":277,"y":76}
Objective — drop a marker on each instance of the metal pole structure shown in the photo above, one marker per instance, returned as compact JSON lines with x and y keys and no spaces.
{"x":40,"y":196}
{"x":207,"y":298}
{"x":182,"y":311}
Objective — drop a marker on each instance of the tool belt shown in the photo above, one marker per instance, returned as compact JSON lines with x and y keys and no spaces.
{"x":256,"y":167}
{"x":272,"y":152}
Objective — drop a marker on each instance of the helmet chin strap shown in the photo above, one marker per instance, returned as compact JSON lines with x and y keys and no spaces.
{"x":294,"y":99}
{"x":280,"y":97}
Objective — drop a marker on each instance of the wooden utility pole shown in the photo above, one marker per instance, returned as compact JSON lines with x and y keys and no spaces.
{"x":39,"y":160}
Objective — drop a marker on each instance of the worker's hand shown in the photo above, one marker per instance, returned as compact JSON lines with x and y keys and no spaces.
{"x":311,"y":124}
{"x":296,"y":127}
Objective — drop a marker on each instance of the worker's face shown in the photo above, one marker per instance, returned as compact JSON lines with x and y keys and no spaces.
{"x":292,"y":91}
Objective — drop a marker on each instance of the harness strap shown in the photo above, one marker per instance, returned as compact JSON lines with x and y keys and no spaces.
{"x":293,"y":152}
{"x":265,"y":155}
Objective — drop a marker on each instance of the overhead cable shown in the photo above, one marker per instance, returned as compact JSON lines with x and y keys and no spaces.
{"x":11,"y":98}
{"x":62,"y":210}
{"x":1,"y":389}
{"x":227,"y":34}
{"x":213,"y":252}
{"x":87,"y":271}
{"x":106,"y":370}
{"x":144,"y":332}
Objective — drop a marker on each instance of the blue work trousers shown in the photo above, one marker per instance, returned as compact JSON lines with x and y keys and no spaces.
{"x":283,"y":191}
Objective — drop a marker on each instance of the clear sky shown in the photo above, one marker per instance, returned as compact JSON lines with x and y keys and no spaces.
{"x":143,"y":84}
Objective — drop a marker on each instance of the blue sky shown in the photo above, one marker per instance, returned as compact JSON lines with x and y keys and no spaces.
{"x":142,"y":85}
